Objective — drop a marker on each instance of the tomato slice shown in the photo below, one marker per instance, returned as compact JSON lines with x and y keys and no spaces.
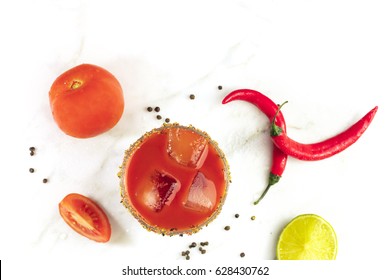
{"x":86,"y":217}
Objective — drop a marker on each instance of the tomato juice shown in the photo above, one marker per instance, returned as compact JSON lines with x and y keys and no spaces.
{"x":174,"y":179}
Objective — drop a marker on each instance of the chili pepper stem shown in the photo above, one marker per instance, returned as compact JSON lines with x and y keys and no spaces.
{"x":263,"y":194}
{"x":276,"y":130}
{"x":272,"y":180}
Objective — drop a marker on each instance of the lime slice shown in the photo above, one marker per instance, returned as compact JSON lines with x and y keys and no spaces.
{"x":307,"y":237}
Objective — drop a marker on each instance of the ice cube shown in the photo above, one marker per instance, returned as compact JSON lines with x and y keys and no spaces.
{"x":202,"y":195}
{"x":187,"y":147}
{"x":162,"y":191}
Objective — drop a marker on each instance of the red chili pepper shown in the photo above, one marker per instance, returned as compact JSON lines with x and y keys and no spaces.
{"x":323,"y":149}
{"x":269,"y":108}
{"x":283,"y":145}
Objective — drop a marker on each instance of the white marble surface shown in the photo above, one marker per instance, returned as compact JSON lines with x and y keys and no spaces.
{"x":329,"y":59}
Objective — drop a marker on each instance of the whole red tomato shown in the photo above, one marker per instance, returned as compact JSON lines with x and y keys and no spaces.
{"x":86,"y":101}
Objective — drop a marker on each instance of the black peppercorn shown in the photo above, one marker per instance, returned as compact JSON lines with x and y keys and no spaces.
{"x":31,"y":170}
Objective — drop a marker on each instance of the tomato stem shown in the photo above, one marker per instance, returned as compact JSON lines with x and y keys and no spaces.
{"x":75,"y":84}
